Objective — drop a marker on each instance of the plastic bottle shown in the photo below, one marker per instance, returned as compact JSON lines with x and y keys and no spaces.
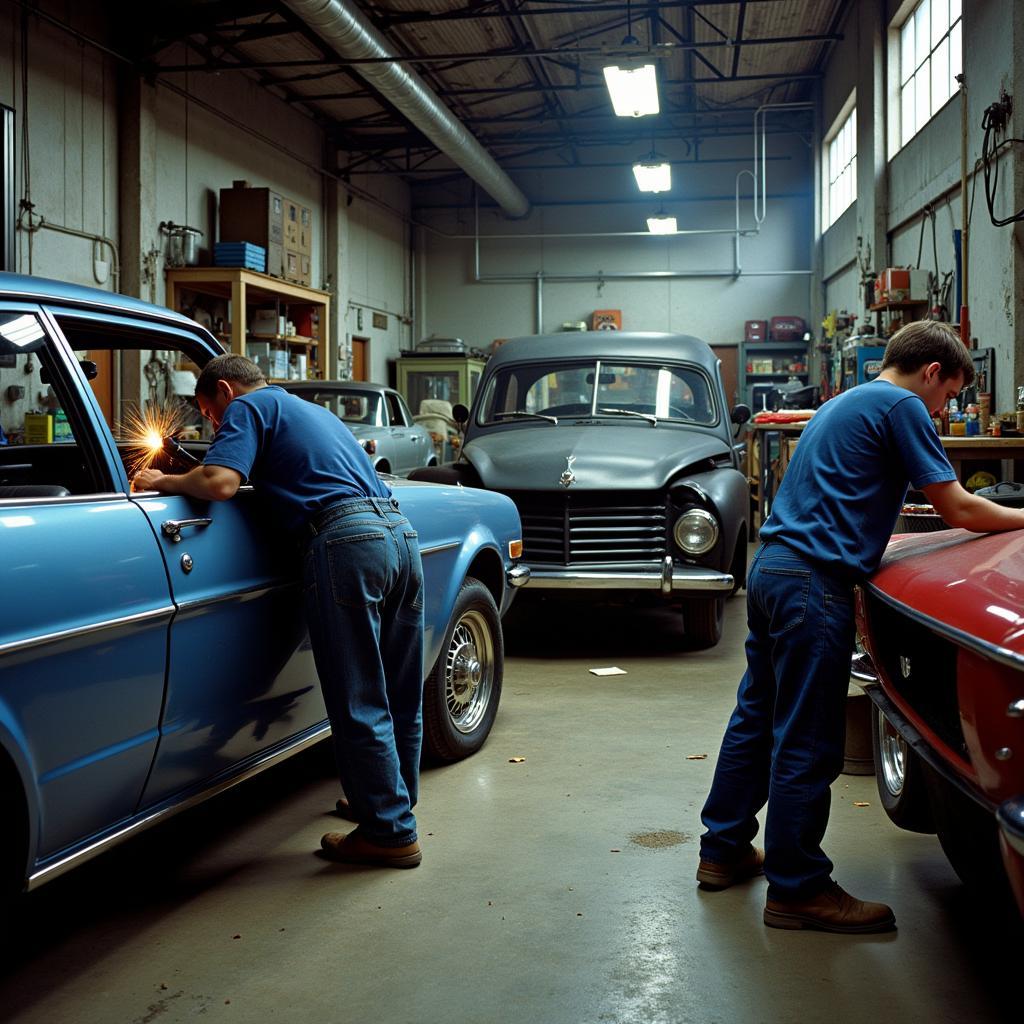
{"x":957,"y":425}
{"x":973,"y":423}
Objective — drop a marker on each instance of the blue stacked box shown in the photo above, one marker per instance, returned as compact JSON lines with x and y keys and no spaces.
{"x":240,"y":254}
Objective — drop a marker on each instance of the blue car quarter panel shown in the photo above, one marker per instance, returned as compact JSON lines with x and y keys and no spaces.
{"x":83,"y":643}
{"x":241,"y":677}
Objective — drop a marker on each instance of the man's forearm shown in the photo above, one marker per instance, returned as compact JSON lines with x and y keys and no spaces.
{"x":984,"y":516}
{"x":196,"y":483}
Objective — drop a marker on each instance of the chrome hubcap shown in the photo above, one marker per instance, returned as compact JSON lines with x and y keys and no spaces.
{"x":469,"y":672}
{"x":892,"y":750}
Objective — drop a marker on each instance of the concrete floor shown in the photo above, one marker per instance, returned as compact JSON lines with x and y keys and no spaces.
{"x":555,"y":890}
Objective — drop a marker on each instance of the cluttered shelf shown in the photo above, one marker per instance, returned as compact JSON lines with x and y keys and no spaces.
{"x":881,"y":307}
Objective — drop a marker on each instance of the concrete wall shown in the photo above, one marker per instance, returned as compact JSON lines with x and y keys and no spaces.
{"x":205,"y":131}
{"x":920,"y":184}
{"x":607,"y":266}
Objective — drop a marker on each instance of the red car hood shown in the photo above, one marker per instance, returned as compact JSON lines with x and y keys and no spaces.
{"x":969,"y":582}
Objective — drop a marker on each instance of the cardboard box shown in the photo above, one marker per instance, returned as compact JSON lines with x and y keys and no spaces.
{"x":298,"y":227}
{"x":267,"y":323}
{"x":296,"y":266}
{"x":254,"y":215}
{"x":900,"y":284}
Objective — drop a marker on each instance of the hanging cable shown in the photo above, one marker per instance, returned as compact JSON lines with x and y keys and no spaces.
{"x":993,"y":122}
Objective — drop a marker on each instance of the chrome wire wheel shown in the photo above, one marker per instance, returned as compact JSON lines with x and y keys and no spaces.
{"x":892,"y":754}
{"x":469,"y":671}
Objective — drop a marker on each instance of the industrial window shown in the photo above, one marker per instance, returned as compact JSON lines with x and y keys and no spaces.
{"x":929,"y":51}
{"x":840,"y":165}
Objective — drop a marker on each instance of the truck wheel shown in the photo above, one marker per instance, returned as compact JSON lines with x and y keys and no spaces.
{"x":462,"y":692}
{"x":900,"y":779}
{"x":702,"y":620}
{"x":969,"y":837}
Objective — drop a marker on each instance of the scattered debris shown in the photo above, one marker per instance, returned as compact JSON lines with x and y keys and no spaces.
{"x":861,"y":803}
{"x":236,"y":936}
{"x":163,"y":985}
{"x":696,"y":757}
{"x":612,"y":670}
{"x":578,"y":914}
{"x":516,"y":760}
{"x":613,"y":850}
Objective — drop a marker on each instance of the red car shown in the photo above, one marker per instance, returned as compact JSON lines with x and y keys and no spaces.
{"x":941,"y":625}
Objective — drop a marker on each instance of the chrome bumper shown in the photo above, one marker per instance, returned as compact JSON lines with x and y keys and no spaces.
{"x":669,"y":578}
{"x":518,"y":575}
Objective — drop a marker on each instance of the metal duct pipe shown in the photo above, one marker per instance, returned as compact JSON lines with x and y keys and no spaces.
{"x":342,"y":26}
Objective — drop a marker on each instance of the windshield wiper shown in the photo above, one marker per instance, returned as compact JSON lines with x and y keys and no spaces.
{"x":525,"y":415}
{"x":653,"y":420}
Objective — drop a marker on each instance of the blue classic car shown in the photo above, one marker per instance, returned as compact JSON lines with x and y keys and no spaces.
{"x":152,"y":650}
{"x":617,"y":448}
{"x":379,"y":419}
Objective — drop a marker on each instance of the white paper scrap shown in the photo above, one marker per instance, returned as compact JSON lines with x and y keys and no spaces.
{"x":611,"y":671}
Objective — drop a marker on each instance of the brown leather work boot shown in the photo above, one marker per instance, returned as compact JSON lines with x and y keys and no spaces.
{"x":831,"y":910}
{"x":712,"y":875}
{"x":354,"y":849}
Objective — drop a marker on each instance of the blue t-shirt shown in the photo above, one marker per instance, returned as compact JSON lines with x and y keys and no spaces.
{"x":299,"y":455}
{"x":848,"y":478}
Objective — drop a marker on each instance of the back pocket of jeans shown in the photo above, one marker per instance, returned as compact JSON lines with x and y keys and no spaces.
{"x":358,"y":566}
{"x":415,"y":570}
{"x":790,"y":591}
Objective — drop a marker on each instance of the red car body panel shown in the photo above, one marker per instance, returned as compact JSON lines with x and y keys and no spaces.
{"x":969,"y":589}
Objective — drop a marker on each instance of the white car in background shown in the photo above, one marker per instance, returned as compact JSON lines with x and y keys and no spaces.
{"x":379,"y":418}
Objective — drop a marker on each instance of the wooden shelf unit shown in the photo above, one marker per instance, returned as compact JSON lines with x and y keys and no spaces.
{"x":245,"y":288}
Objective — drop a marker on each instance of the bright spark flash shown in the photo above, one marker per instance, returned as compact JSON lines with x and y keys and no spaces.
{"x":144,"y":431}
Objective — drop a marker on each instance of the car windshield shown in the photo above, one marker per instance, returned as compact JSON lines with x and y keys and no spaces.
{"x":597,"y":389}
{"x":351,"y":406}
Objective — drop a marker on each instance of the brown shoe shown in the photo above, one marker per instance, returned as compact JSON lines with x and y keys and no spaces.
{"x":354,"y":849}
{"x":712,"y":875}
{"x":832,"y":910}
{"x":343,"y":809}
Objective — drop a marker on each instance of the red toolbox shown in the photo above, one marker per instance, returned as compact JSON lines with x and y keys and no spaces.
{"x":787,"y":328}
{"x":755,"y":330}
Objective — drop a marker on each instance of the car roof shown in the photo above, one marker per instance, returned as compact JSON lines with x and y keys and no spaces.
{"x":335,"y":385}
{"x":604,"y":345}
{"x":25,"y":287}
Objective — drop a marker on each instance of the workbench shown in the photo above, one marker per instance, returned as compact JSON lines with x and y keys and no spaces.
{"x":973,"y":449}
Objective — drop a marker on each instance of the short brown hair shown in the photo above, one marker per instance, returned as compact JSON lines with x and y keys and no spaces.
{"x":929,"y":341}
{"x":231,"y":367}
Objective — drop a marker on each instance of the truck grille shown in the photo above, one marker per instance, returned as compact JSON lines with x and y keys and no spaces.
{"x":921,"y":667}
{"x":593,"y":527}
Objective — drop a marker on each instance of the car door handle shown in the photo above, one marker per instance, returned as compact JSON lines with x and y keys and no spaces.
{"x":172,"y":527}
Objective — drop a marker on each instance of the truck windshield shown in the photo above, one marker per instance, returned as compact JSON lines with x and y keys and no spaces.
{"x":595,"y":389}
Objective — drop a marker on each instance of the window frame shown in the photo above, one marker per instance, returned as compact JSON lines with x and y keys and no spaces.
{"x":847,"y":116}
{"x":898,"y":82}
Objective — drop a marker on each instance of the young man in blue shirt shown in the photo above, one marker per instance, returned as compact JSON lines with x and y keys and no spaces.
{"x":362,"y":585}
{"x":828,"y":529}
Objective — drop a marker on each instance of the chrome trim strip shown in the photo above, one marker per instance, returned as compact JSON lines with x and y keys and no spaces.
{"x":236,"y":595}
{"x":68,"y":499}
{"x":700,"y":580}
{"x":518,"y":575}
{"x":862,"y":668}
{"x":59,"y":867}
{"x":93,"y":627}
{"x":922,"y":748}
{"x":1010,"y":816}
{"x":987,"y":650}
{"x":440,"y":547}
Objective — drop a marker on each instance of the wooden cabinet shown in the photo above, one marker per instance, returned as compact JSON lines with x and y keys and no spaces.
{"x":240,"y":293}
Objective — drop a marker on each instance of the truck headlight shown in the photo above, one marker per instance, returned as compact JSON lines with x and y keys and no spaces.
{"x":696,"y":531}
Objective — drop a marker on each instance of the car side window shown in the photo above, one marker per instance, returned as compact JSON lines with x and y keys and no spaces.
{"x":47,"y":447}
{"x":395,"y":411}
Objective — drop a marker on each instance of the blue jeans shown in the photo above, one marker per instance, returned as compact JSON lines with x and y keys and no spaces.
{"x":363,"y":591}
{"x":784,"y":743}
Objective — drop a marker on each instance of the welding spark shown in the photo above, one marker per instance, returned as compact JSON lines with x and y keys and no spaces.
{"x":144,"y":430}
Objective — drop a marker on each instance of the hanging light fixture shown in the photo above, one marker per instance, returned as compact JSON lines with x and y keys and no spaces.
{"x":653,"y":174}
{"x":632,"y":83}
{"x":662,"y":224}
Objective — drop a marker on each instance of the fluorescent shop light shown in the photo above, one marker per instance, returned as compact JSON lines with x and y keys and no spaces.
{"x":661,"y":225}
{"x":634,"y":90}
{"x":653,"y":177}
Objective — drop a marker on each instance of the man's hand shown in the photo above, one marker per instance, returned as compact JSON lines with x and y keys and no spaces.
{"x":208,"y":483}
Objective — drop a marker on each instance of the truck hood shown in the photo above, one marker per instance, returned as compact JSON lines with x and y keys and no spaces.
{"x":634,"y":457}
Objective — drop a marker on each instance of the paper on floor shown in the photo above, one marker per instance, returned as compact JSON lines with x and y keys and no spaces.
{"x":610,"y":671}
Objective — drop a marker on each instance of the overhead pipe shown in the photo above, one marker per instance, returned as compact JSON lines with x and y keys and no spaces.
{"x":344,"y":28}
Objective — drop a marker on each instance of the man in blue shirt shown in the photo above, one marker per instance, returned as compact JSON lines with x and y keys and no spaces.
{"x":828,"y":529}
{"x":362,"y":585}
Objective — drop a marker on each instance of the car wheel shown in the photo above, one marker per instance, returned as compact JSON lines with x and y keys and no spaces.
{"x":969,"y":837}
{"x":461,"y":694}
{"x":383,"y":466}
{"x":899,"y":776}
{"x":702,"y":620}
